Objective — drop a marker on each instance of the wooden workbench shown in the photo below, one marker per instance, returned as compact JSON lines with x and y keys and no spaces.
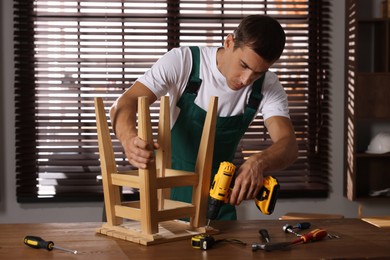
{"x":358,"y":239}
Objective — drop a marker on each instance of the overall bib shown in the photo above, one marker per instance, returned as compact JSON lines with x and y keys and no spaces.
{"x":187,"y":130}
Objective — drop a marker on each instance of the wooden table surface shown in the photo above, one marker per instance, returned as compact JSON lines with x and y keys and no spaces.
{"x":358,"y":239}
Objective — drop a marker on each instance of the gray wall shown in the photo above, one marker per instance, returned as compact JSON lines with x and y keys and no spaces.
{"x":12,"y":212}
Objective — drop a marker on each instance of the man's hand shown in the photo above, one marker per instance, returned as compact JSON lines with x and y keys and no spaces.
{"x":138,"y":152}
{"x":123,"y":119}
{"x":279,"y":155}
{"x":248,"y":182}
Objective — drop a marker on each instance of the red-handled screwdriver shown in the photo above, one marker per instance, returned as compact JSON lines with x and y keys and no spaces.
{"x":37,"y":243}
{"x":314,"y":235}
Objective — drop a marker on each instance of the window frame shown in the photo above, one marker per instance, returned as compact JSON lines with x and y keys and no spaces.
{"x":308,"y":175}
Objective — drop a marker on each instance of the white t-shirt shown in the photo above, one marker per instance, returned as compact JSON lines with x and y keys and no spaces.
{"x":170,"y":74}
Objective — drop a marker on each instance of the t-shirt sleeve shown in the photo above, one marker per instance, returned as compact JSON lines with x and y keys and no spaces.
{"x":275,"y":99}
{"x":168,"y":73}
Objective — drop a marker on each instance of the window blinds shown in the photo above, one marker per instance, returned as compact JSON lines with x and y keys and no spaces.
{"x":67,"y":52}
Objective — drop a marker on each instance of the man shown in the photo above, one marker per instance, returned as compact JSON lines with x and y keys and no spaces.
{"x":238,"y":75}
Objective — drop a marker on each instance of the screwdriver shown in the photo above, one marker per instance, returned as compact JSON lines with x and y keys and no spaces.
{"x":301,"y":226}
{"x":315,"y":235}
{"x":37,"y":243}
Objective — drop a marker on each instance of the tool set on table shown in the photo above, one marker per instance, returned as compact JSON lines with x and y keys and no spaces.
{"x":265,"y":201}
{"x":314,"y":235}
{"x":206,"y":241}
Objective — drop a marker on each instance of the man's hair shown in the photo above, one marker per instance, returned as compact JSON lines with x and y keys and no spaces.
{"x":263,"y":34}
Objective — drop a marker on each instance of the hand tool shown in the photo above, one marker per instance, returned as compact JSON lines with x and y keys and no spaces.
{"x":271,"y":246}
{"x":288,"y":228}
{"x":221,"y":188}
{"x":300,"y":226}
{"x":37,"y":242}
{"x":315,"y":235}
{"x":264,"y":235}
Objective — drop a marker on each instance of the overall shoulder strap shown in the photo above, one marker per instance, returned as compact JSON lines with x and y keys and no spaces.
{"x":253,"y":103}
{"x":194,"y":81}
{"x":256,"y":96}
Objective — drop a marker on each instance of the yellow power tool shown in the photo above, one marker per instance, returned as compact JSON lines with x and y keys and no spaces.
{"x":222,"y":186}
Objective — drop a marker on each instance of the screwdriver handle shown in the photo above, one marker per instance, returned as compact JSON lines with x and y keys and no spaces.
{"x":315,"y":235}
{"x":37,"y":242}
{"x":303,"y":225}
{"x":264,"y":235}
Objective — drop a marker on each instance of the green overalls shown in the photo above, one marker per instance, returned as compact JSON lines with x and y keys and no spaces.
{"x":187,"y":130}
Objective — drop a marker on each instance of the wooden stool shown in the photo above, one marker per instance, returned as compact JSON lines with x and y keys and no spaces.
{"x":300,"y":215}
{"x":154,"y":218}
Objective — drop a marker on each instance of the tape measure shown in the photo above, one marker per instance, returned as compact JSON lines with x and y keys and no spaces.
{"x":206,"y":241}
{"x":202,"y":241}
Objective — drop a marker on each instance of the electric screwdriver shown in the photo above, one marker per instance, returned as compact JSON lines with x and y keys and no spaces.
{"x":221,"y":188}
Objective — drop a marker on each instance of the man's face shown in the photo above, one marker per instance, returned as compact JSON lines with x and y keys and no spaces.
{"x":241,"y":66}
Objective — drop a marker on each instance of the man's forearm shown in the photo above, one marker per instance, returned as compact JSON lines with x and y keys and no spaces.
{"x":123,"y":112}
{"x":123,"y":118}
{"x":279,"y":155}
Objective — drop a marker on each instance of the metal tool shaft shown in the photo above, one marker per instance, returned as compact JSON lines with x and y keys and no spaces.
{"x":65,"y":250}
{"x":289,"y":228}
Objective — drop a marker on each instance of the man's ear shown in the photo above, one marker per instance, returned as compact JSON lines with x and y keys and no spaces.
{"x":229,"y":41}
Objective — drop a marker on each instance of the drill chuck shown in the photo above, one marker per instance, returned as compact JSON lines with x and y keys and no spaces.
{"x":213,"y":208}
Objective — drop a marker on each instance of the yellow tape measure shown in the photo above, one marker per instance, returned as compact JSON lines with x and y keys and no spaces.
{"x":202,"y":241}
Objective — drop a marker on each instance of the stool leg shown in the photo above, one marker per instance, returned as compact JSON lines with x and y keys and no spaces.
{"x":148,"y":176}
{"x":163,"y":155}
{"x":107,"y":164}
{"x":204,"y":164}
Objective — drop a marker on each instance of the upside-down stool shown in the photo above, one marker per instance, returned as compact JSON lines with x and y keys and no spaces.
{"x":155,"y":218}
